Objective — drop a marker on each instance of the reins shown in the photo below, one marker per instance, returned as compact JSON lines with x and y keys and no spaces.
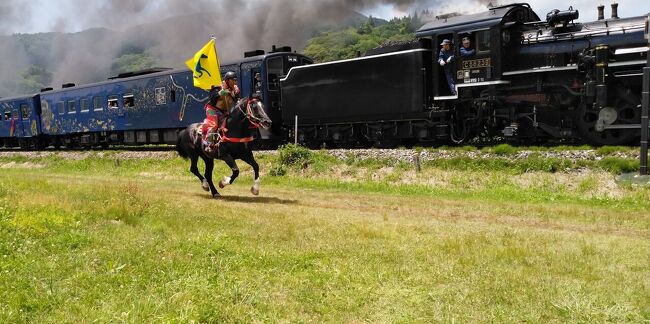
{"x":254,"y":121}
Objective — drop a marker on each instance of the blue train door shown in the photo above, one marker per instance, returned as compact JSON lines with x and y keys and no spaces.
{"x":16,"y":126}
{"x":25,"y":120}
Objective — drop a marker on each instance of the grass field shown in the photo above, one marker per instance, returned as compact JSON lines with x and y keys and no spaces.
{"x":112,"y":239}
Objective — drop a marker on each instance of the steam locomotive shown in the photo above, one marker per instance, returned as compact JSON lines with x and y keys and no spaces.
{"x":529,"y":80}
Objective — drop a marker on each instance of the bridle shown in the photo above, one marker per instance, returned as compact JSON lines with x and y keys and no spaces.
{"x":252,"y":119}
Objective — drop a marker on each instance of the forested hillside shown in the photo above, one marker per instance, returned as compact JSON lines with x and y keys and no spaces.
{"x":34,"y":61}
{"x":347,"y":42}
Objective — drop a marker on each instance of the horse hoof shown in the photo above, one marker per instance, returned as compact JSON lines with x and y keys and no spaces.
{"x":255,"y":191}
{"x":224,"y":182}
{"x":216,"y":196}
{"x":205,"y":186}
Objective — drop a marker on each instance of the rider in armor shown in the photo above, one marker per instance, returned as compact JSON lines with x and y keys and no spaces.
{"x":221,"y":101}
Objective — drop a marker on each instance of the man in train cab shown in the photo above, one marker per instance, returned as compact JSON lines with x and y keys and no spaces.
{"x":466,"y":50}
{"x":445,"y":59}
{"x":258,"y":83}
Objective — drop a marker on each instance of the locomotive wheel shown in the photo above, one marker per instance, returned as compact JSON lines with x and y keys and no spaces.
{"x":624,"y":111}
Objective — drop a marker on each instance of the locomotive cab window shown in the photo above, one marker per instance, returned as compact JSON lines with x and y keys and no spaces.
{"x":7,"y":115}
{"x":483,"y":41}
{"x":72,"y":107}
{"x":128,"y":100}
{"x":83,"y":104}
{"x":25,"y":111}
{"x":112,"y":102}
{"x":274,"y":67}
{"x":97,"y":103}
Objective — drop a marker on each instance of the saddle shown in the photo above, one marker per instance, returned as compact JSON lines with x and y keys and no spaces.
{"x":209,"y":142}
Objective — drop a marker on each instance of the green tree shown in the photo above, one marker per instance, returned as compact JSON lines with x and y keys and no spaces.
{"x":133,"y":62}
{"x":345,"y":43}
{"x":34,"y":79}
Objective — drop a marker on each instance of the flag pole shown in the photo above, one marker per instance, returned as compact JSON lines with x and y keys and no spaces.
{"x":214,"y":45}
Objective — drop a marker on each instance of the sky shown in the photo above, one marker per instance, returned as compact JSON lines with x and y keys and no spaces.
{"x":68,"y":15}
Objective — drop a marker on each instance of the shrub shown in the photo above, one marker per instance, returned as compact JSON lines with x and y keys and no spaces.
{"x":277,"y":171}
{"x":619,"y":165}
{"x":504,"y":149}
{"x":295,"y":155}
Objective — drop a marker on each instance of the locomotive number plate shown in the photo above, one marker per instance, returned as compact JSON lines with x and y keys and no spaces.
{"x":480,"y":63}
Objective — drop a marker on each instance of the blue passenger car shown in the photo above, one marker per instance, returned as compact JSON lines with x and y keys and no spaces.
{"x":19,"y":121}
{"x":134,"y":108}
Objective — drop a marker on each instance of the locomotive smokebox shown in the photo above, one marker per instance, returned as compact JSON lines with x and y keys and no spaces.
{"x":614,"y":10}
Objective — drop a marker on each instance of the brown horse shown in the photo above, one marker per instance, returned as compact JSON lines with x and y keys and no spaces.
{"x":241,"y":126}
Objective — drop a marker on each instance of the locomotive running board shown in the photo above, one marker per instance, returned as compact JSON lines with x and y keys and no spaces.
{"x":468,"y":85}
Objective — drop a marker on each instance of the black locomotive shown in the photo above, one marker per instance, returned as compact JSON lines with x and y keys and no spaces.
{"x":528,"y":80}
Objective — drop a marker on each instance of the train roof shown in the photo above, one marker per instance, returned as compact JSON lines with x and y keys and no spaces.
{"x":114,"y":81}
{"x":493,"y":16}
{"x":261,"y":57}
{"x":18,"y":97}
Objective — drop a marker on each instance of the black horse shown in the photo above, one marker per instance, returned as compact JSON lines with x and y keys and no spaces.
{"x":241,"y":124}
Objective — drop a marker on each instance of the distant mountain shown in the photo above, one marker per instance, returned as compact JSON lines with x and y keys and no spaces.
{"x":32,"y":61}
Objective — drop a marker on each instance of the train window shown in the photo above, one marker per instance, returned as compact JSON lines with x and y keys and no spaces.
{"x":72,"y":107}
{"x":60,"y":107}
{"x":275,"y":70}
{"x":483,"y":41}
{"x":25,"y":111}
{"x":83,"y":104}
{"x":128,"y":100}
{"x":160,"y":96}
{"x":97,"y":103}
{"x":7,"y":115}
{"x":112,"y":102}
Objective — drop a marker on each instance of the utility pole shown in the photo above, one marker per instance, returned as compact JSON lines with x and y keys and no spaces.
{"x":645,"y":95}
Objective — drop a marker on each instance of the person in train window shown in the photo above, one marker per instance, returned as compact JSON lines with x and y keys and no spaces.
{"x":466,"y":50}
{"x":445,"y":57}
{"x":258,"y":83}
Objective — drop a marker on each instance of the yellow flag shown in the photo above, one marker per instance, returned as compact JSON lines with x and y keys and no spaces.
{"x":205,"y":65}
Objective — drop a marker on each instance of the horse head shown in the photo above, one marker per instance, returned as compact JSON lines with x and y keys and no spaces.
{"x":253,"y":109}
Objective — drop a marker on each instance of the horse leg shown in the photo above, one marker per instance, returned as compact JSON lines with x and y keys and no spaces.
{"x":255,"y":189}
{"x":209,"y":166}
{"x":235,"y":171}
{"x":195,"y":170}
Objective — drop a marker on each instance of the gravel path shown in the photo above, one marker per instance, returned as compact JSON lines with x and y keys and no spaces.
{"x":405,"y":155}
